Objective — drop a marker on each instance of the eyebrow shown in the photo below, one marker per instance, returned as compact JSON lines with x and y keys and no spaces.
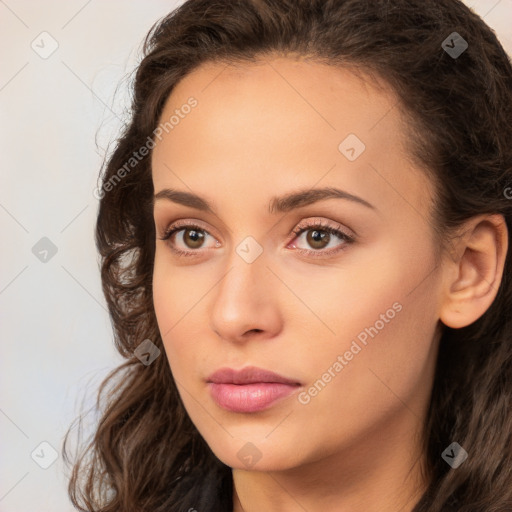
{"x":280,"y":204}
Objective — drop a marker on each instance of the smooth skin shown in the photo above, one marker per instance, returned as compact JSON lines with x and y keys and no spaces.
{"x":268,"y":129}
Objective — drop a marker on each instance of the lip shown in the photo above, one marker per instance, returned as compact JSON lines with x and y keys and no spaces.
{"x":250,"y":389}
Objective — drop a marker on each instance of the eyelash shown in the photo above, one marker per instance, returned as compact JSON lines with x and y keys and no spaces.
{"x":318,"y":226}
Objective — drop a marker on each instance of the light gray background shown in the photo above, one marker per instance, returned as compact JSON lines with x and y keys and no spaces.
{"x":57,"y":116}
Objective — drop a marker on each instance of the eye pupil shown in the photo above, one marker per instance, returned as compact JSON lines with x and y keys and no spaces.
{"x":315,"y":236}
{"x":196,"y":237}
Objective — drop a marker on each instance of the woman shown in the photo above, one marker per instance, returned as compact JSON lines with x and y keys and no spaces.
{"x":304,"y":242}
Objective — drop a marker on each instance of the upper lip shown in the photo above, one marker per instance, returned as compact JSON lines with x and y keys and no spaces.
{"x":247,"y":375}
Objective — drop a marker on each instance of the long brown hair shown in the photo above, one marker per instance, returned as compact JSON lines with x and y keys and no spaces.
{"x":145,"y":454}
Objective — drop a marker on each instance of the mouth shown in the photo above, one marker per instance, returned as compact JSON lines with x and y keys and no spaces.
{"x":251,"y":389}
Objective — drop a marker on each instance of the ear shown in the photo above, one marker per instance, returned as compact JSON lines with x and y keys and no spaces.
{"x":472,"y":276}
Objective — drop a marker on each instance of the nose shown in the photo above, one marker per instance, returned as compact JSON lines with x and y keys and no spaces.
{"x":246,"y":302}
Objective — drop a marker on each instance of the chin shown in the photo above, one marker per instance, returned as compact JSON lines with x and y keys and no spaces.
{"x":249,"y":456}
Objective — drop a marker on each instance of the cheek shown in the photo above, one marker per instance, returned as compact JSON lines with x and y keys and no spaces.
{"x":178,"y":295}
{"x":384,"y":322}
{"x":169,"y":306}
{"x":368,"y":296}
{"x":387,"y":376}
{"x":174,"y":290}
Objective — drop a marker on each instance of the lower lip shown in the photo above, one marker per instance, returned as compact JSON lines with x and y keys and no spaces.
{"x":249,"y":397}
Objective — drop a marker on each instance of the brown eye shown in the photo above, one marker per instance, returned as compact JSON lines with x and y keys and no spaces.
{"x":319,"y":236}
{"x":193,"y":238}
{"x":186,"y":239}
{"x":318,"y":239}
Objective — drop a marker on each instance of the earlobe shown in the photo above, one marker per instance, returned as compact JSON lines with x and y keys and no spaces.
{"x":472,"y":278}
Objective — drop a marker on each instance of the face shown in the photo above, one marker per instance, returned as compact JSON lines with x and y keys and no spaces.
{"x":335,"y":292}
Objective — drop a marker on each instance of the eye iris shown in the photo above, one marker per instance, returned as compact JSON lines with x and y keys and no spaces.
{"x":315,"y":236}
{"x":196,"y":236}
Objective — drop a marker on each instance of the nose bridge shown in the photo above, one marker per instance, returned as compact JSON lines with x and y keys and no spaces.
{"x":247,"y":276}
{"x":244,"y":299}
{"x":246,"y":254}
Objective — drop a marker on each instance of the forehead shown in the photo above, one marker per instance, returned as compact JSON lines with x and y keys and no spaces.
{"x":282,"y":120}
{"x":330,"y":97}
